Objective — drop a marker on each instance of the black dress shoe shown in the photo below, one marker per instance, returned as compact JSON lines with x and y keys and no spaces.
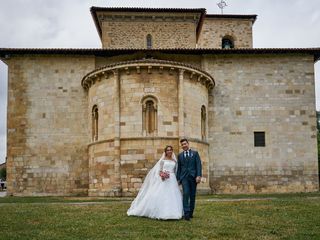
{"x":191,"y":216}
{"x":187,"y":217}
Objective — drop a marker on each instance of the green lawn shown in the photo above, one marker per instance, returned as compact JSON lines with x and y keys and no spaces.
{"x":276,"y":216}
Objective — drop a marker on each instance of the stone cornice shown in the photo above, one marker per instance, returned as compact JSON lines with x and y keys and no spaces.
{"x":150,"y":65}
{"x":156,"y":17}
{"x":148,"y":138}
{"x":251,"y":17}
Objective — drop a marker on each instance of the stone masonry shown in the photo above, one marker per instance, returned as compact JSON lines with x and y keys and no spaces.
{"x":276,"y":97}
{"x":129,"y":30}
{"x":215,"y":28}
{"x":47,"y":133}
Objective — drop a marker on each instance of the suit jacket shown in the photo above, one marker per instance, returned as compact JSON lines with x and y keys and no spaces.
{"x":189,"y":166}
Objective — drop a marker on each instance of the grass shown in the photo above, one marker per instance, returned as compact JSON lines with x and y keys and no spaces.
{"x":276,"y":216}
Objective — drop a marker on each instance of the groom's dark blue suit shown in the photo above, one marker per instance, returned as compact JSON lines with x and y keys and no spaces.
{"x":189,"y":167}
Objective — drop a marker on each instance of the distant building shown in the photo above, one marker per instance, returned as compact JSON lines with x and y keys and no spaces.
{"x":94,"y":121}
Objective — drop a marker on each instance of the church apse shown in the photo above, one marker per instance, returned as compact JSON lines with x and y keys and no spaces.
{"x":143,"y":105}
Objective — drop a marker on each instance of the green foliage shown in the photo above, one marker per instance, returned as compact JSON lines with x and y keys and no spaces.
{"x":318,"y":137}
{"x":318,"y":120}
{"x":3,"y":173}
{"x":282,"y":216}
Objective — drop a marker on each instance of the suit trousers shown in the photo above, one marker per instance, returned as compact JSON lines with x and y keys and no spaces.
{"x":189,"y":187}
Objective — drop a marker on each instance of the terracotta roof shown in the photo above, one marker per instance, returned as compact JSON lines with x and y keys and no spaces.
{"x":6,"y":52}
{"x":231,"y":16}
{"x":138,"y":9}
{"x":94,"y":11}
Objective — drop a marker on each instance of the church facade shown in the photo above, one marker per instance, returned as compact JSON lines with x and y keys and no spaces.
{"x":94,"y":121}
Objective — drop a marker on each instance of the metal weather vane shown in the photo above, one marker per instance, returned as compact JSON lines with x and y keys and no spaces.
{"x":222,"y":4}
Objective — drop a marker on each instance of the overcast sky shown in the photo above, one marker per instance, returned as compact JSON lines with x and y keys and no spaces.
{"x":68,"y":23}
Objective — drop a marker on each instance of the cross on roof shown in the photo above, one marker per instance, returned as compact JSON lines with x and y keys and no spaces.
{"x":222,"y":4}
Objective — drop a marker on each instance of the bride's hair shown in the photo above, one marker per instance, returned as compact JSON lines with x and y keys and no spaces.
{"x":166,"y":149}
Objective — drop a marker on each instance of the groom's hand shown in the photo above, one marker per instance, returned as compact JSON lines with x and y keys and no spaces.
{"x":198,"y":179}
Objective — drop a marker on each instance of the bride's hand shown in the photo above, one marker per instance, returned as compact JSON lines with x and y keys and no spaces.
{"x":160,"y":174}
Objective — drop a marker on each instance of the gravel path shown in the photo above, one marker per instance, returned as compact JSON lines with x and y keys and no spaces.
{"x":3,"y":194}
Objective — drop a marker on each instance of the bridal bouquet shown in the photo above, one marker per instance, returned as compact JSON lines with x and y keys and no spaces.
{"x":164,"y":175}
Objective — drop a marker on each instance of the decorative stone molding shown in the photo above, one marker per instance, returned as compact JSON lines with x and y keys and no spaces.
{"x":144,"y":138}
{"x":148,"y":138}
{"x":151,"y":65}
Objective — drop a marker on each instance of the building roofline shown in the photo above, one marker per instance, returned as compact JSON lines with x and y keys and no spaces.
{"x":252,"y":17}
{"x":142,"y":9}
{"x":96,"y":21}
{"x":94,"y":11}
{"x":6,"y":53}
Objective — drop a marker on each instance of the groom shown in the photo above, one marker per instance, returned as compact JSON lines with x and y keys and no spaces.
{"x":189,"y":175}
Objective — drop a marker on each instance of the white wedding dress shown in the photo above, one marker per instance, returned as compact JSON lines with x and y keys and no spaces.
{"x":157,"y":198}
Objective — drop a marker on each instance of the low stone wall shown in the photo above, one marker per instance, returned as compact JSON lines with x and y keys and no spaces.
{"x":244,"y":182}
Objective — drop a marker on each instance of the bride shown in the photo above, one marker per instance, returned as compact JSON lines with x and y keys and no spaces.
{"x":159,"y":196}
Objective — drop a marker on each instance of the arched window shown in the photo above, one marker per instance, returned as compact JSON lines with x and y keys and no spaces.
{"x":95,"y":118}
{"x":149,"y":115}
{"x":149,"y":41}
{"x":227,"y":42}
{"x":203,"y":122}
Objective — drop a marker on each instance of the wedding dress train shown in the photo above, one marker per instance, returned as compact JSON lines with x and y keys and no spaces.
{"x":157,"y":198}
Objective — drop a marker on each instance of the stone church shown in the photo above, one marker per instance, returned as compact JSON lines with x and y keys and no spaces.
{"x":94,"y":121}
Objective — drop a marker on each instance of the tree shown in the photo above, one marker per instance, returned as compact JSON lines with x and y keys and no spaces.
{"x":318,"y":137}
{"x":3,"y":174}
{"x":318,"y":120}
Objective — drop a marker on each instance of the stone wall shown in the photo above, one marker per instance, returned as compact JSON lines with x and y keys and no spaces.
{"x":195,"y":96}
{"x":274,"y":94}
{"x":47,"y":125}
{"x":214,"y":29}
{"x":163,"y":87}
{"x":51,"y":152}
{"x":102,"y":172}
{"x":101,"y":95}
{"x":133,"y":34}
{"x":193,"y":60}
{"x":102,"y":161}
